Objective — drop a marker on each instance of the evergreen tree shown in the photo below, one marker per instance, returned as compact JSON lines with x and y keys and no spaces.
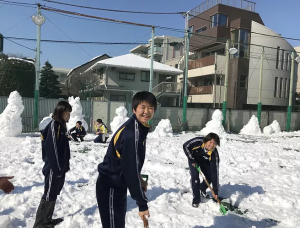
{"x":49,"y":84}
{"x":16,"y":74}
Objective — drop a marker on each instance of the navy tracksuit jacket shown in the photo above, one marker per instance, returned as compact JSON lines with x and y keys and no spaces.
{"x":81,"y":132}
{"x":56,"y":155}
{"x":209,"y":165}
{"x":120,"y":170}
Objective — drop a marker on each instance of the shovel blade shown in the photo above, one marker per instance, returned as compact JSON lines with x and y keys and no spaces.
{"x":223,"y":210}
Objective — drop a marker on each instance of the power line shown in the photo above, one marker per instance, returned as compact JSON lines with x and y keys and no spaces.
{"x":16,"y":24}
{"x":114,"y":10}
{"x":17,"y":4}
{"x":69,"y":38}
{"x":19,"y":44}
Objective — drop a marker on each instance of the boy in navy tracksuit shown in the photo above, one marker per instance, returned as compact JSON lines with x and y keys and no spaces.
{"x":203,"y":151}
{"x":79,"y":132}
{"x":122,"y":165}
{"x":56,"y":155}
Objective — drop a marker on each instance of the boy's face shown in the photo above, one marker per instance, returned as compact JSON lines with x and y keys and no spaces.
{"x":144,"y":112}
{"x":210,"y":145}
{"x":66,"y":116}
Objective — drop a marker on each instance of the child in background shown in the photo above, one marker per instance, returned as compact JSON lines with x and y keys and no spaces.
{"x":101,"y":131}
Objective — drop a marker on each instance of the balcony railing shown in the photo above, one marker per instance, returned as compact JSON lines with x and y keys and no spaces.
{"x":242,"y":4}
{"x":157,"y":50}
{"x":166,"y":87}
{"x":206,"y":61}
{"x":201,"y":90}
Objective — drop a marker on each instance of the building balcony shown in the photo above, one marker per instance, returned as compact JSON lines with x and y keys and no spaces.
{"x":201,"y":90}
{"x":206,"y":94}
{"x":157,"y":51}
{"x":206,"y":66}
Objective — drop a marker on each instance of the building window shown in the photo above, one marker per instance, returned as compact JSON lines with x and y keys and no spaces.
{"x":176,"y":66}
{"x":280,"y":87}
{"x":176,"y":48}
{"x":191,"y":30}
{"x":276,"y":85}
{"x":287,"y":59}
{"x":243,"y":81}
{"x":241,"y":41}
{"x":218,"y":20}
{"x":145,"y":77}
{"x":101,"y":73}
{"x":201,"y":29}
{"x":127,"y":76}
{"x":282,"y":59}
{"x":277,"y":57}
{"x":114,"y":97}
{"x":284,"y":88}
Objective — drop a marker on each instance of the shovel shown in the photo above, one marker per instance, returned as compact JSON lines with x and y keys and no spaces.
{"x":222,"y":210}
{"x":145,"y":220}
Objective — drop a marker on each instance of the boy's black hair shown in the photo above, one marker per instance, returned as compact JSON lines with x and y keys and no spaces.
{"x":211,"y":136}
{"x":79,"y":122}
{"x":99,"y":121}
{"x":143,"y":96}
{"x":61,"y":107}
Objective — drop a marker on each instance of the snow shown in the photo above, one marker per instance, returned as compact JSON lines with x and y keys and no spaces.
{"x":260,"y":174}
{"x":252,"y":127}
{"x":24,"y":60}
{"x":136,"y":62}
{"x":274,"y":127}
{"x":120,"y":119}
{"x":45,"y":121}
{"x":214,"y":125}
{"x":163,"y":129}
{"x":76,"y":114}
{"x":10,"y":118}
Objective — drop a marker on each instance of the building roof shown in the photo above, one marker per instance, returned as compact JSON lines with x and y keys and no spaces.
{"x":87,"y":63}
{"x":135,"y":62}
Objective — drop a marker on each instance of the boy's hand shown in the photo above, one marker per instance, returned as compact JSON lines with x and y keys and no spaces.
{"x":6,"y":185}
{"x":194,"y":164}
{"x":142,"y":214}
{"x":215,"y":196}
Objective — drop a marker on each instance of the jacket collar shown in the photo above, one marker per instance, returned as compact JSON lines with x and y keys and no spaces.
{"x":145,"y":127}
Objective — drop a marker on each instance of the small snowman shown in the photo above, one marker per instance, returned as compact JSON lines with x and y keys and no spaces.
{"x":76,"y":114}
{"x":120,"y":119}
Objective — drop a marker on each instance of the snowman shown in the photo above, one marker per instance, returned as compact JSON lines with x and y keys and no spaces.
{"x":76,"y":114}
{"x":120,"y":119}
{"x":10,"y":119}
{"x":214,"y":125}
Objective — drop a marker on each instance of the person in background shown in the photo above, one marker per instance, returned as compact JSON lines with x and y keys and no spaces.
{"x":203,"y":151}
{"x":101,"y":131}
{"x":56,"y":156}
{"x":5,"y":185}
{"x":79,"y":132}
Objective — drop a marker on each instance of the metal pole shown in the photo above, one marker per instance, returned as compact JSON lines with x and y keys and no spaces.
{"x":289,"y":114}
{"x":187,"y":37}
{"x":224,"y":108}
{"x":215,"y":88}
{"x":260,"y":85}
{"x":152,"y":59}
{"x":220,"y":90}
{"x":37,"y":70}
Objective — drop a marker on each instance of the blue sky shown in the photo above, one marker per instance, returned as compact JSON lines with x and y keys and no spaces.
{"x":280,"y":16}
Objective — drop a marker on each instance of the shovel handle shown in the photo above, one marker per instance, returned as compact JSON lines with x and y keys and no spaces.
{"x":146,"y":224}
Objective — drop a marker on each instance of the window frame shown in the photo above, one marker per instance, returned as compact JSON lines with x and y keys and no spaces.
{"x":146,"y":76}
{"x":126,"y":79}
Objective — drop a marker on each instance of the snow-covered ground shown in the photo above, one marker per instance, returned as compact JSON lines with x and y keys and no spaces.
{"x":260,"y":174}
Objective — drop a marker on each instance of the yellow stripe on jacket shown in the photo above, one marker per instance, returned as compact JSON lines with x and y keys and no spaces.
{"x":117,"y":135}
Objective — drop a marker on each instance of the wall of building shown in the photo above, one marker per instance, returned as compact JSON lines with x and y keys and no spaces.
{"x":270,"y":72}
{"x":297,"y":49}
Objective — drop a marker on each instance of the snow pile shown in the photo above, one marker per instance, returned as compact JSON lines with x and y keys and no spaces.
{"x":214,"y":125}
{"x":252,"y":127}
{"x":274,"y":127}
{"x":163,"y":129}
{"x":46,"y":120}
{"x":10,"y":119}
{"x":120,"y":119}
{"x":76,"y":114}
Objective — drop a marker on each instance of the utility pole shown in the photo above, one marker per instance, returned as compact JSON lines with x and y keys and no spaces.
{"x":38,"y":19}
{"x":224,"y":108}
{"x":289,"y":114}
{"x":187,"y":43}
{"x":260,"y":85}
{"x":215,"y":88}
{"x":152,"y":59}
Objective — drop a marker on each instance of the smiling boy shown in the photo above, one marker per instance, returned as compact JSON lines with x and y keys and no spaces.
{"x":122,"y":165}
